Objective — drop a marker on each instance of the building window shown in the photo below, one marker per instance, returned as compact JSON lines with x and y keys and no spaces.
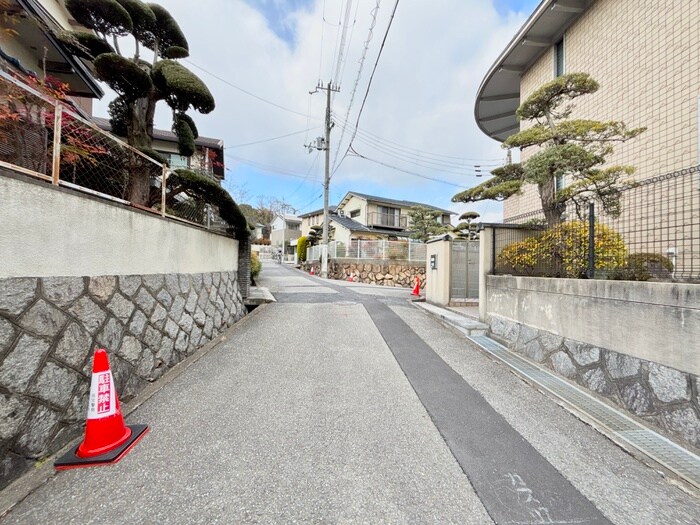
{"x":388,"y":217}
{"x":559,"y":58}
{"x":177,"y":161}
{"x":560,"y":182}
{"x":354,"y":213}
{"x":294,"y":226}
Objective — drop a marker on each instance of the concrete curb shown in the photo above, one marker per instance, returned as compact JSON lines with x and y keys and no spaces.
{"x":43,"y":471}
{"x":461,"y":323}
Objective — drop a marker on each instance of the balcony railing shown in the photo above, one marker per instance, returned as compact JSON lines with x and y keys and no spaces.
{"x":387,"y":220}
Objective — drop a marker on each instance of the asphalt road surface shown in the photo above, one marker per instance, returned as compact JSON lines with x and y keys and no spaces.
{"x":342,"y":403}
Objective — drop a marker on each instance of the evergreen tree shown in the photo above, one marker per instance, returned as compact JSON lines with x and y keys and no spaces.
{"x":571,"y":150}
{"x":140,"y":83}
{"x":425,"y":223}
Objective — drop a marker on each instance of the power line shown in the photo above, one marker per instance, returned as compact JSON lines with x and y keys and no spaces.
{"x":268,"y":168}
{"x":341,"y":49}
{"x":424,"y":161}
{"x":396,"y":145}
{"x":352,"y":33}
{"x":301,"y":183}
{"x":323,"y":29}
{"x":370,"y":35}
{"x":353,"y":152}
{"x":307,"y":205}
{"x":234,"y":86}
{"x":371,"y":77}
{"x":271,"y":138}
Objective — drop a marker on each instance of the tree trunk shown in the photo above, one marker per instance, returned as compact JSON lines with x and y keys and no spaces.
{"x":140,"y":129}
{"x":552,"y":208}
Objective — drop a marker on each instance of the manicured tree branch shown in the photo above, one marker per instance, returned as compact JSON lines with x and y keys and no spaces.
{"x":574,"y":150}
{"x":201,"y":187}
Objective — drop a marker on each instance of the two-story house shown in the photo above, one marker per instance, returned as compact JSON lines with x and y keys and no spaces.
{"x":359,"y":216}
{"x":34,"y":48}
{"x":208,"y":158}
{"x":285,"y":229}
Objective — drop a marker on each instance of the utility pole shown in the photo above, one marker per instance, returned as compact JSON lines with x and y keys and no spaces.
{"x":325,"y":144}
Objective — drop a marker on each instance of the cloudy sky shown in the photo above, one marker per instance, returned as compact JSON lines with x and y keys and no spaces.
{"x":418,"y":115}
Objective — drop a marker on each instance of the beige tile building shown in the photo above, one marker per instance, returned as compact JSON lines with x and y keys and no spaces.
{"x":645,"y":54}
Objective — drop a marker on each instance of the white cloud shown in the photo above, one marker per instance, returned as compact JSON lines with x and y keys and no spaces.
{"x":422,"y":95}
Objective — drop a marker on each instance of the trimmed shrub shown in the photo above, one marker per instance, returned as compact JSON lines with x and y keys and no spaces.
{"x":255,"y":266}
{"x":301,"y":249}
{"x":563,"y":252}
{"x":644,"y":266}
{"x":123,"y":75}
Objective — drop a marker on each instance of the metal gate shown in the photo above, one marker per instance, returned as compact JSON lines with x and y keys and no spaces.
{"x":464,"y":281}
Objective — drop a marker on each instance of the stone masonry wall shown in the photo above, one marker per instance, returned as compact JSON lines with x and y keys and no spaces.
{"x":663,"y":396}
{"x":384,"y":273}
{"x":49,"y":328}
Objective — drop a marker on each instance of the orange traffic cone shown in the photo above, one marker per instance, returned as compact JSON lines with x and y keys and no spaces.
{"x":416,"y":288}
{"x":107,"y":438}
{"x":312,"y":271}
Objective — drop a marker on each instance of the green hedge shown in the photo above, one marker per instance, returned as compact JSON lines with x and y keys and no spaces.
{"x":301,"y":249}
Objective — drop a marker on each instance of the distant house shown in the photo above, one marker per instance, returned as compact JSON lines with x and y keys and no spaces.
{"x":207,"y":160}
{"x":362,"y":216}
{"x":34,"y":48}
{"x":285,"y":230}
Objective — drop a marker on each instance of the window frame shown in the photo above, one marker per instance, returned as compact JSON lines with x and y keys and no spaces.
{"x":560,"y":52}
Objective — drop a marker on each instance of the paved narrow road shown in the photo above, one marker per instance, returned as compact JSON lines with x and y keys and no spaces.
{"x":342,"y":403}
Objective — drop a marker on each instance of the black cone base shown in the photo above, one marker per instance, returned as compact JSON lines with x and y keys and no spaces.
{"x":71,"y":460}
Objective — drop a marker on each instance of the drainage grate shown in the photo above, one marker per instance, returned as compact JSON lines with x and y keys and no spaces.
{"x":664,"y":451}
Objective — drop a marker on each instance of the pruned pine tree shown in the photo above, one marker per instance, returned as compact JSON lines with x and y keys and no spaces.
{"x":425,"y":223}
{"x":140,"y":81}
{"x":467,"y":229}
{"x":571,"y":150}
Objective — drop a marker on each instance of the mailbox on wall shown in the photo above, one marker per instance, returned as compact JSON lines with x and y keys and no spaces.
{"x":433,"y":262}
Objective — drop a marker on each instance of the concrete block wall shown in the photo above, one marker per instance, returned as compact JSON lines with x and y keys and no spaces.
{"x":661,"y":395}
{"x":79,"y":272}
{"x":637,"y":344}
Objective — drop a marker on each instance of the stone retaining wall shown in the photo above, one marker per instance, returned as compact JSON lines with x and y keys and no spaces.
{"x":661,"y":395}
{"x":50,"y":326}
{"x":384,"y":273}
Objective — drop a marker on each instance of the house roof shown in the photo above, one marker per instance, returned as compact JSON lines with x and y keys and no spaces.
{"x":499,"y":94}
{"x":167,"y":136}
{"x":316,"y":212}
{"x":395,"y":202}
{"x":354,"y":226}
{"x":289,"y":218}
{"x":38,"y":30}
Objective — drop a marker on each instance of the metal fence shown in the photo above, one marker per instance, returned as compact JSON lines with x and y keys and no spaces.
{"x":656,"y":235}
{"x":45,"y":137}
{"x":371,"y":249}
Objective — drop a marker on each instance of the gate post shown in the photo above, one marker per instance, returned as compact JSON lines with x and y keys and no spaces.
{"x":438,"y":263}
{"x":487,"y":261}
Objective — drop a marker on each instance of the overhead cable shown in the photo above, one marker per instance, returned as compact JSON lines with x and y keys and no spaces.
{"x":371,"y":77}
{"x":353,"y":152}
{"x":365,"y":48}
{"x":270,"y":139}
{"x":249,"y":93}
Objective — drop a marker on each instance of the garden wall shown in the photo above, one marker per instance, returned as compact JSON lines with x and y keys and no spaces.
{"x":79,"y":273}
{"x":635,"y":343}
{"x":381,"y":272}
